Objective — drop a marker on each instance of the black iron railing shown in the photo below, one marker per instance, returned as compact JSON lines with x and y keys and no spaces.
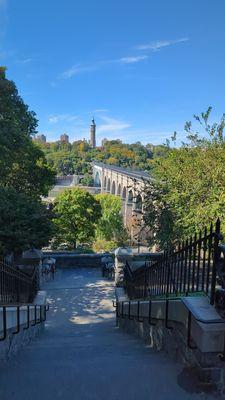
{"x":189,"y":268}
{"x":35,"y":314}
{"x":16,"y":286}
{"x":123,"y":311}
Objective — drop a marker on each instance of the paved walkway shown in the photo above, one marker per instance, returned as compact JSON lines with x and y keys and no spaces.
{"x":83,"y":356}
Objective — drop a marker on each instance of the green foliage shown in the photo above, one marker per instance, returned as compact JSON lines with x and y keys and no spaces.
{"x":25,"y":175}
{"x":22,"y":164}
{"x":76,"y":158}
{"x":189,"y":190}
{"x":77,"y":213}
{"x":24,"y":222}
{"x":102,"y":245}
{"x":87,"y":180}
{"x":158,"y":214}
{"x":110,"y":226}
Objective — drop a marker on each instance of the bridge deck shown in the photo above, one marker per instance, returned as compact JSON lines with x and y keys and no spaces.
{"x":123,"y":171}
{"x":82,"y":355}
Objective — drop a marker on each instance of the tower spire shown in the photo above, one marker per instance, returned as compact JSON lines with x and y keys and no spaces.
{"x":93,"y":133}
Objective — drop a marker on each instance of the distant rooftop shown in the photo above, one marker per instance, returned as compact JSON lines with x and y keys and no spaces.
{"x":124,"y":171}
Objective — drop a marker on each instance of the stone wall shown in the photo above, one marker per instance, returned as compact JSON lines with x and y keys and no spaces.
{"x":13,"y":343}
{"x":208,"y":367}
{"x":73,"y":260}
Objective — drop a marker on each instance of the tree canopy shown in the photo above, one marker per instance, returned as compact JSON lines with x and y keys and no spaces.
{"x":110,"y":227}
{"x":189,"y":190}
{"x":22,"y":163}
{"x":24,"y":222}
{"x":25,"y":175}
{"x":75,"y":158}
{"x":77,"y":213}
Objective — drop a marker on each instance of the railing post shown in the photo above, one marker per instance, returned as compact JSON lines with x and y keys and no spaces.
{"x":167,"y":261}
{"x":145,"y":282}
{"x":216,"y":255}
{"x":18,"y":290}
{"x":181,"y":270}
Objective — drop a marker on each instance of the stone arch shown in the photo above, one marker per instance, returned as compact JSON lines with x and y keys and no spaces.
{"x":97,"y":179}
{"x":119,"y":190}
{"x":130,"y":197}
{"x":113,"y":191}
{"x":108,"y":185}
{"x":124,"y":193}
{"x":138,"y":203}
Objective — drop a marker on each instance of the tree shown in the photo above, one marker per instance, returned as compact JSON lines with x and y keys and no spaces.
{"x":24,"y":222}
{"x":77,"y":157}
{"x":77,"y":213}
{"x":25,"y":175}
{"x":87,"y":180}
{"x":110,"y":226}
{"x":22,"y":163}
{"x":102,"y":245}
{"x":158,"y":215}
{"x":189,"y":188}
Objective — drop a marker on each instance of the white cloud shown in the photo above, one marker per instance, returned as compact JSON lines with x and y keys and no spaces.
{"x":112,"y":125}
{"x":105,"y":125}
{"x":76,"y":70}
{"x":80,"y":69}
{"x":128,"y":135}
{"x":100,"y":110}
{"x":55,"y":119}
{"x":160,"y":44}
{"x":132,"y":59}
{"x":25,"y":60}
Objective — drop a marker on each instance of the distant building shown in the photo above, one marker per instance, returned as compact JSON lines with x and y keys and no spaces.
{"x":40,"y":139}
{"x":93,"y":134}
{"x":64,"y":138}
{"x":104,"y":141}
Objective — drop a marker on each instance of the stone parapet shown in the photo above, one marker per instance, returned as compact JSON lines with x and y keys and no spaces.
{"x":27,"y":330}
{"x":204,"y":355}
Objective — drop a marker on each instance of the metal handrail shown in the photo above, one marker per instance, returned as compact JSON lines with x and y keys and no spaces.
{"x":166,"y":319}
{"x":43,"y":308}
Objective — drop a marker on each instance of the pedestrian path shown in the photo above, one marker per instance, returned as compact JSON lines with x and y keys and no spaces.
{"x":81,"y":355}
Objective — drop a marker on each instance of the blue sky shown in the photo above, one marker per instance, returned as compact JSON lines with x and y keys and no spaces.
{"x":142,"y":68}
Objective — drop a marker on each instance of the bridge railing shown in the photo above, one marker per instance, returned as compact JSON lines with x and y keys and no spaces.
{"x":188,"y":268}
{"x":16,"y":286}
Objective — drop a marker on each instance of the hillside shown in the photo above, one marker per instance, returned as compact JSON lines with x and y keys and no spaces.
{"x":76,"y":158}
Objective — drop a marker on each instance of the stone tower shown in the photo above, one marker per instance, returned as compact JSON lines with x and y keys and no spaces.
{"x":93,"y":134}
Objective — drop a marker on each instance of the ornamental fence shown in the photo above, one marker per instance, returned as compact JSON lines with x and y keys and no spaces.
{"x":16,"y":286}
{"x":191,"y":267}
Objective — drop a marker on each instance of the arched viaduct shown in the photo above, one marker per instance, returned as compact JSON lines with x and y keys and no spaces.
{"x":128,"y":185}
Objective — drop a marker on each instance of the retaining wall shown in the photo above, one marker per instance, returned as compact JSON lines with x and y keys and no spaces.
{"x":204,"y":359}
{"x":14,"y":342}
{"x":72,"y":260}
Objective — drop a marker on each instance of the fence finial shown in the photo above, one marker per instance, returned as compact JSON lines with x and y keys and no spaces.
{"x":218,"y":224}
